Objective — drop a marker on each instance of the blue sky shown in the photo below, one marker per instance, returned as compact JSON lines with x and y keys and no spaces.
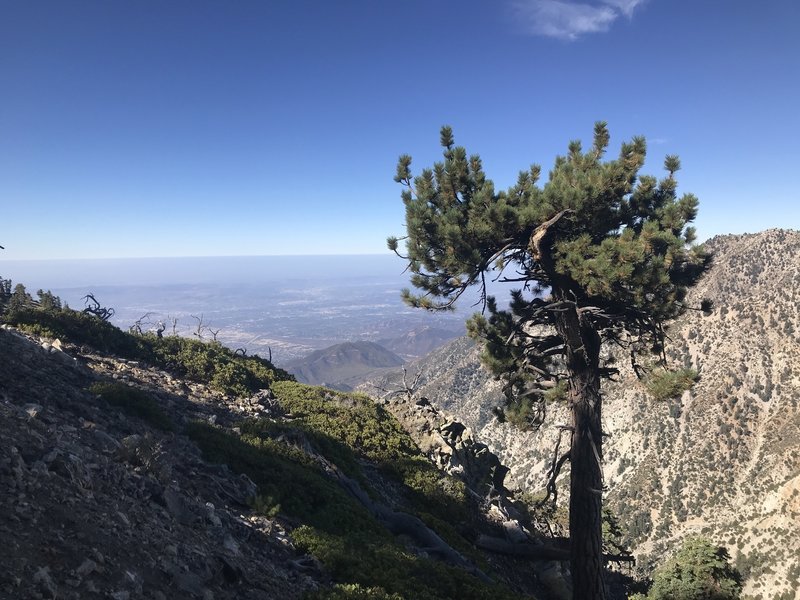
{"x":199,"y":128}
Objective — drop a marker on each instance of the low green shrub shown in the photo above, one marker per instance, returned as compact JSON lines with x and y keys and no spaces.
{"x":78,"y":328}
{"x":368,"y":430}
{"x":353,"y":592}
{"x":698,"y":570}
{"x":214,"y":364}
{"x":210,"y":363}
{"x":368,"y":563}
{"x":352,"y":545}
{"x":666,"y":385}
{"x":133,"y":402}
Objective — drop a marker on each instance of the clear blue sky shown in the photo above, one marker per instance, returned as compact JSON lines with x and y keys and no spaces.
{"x":191,"y":128}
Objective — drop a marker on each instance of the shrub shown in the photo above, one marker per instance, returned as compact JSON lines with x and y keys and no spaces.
{"x":133,"y":402}
{"x":210,"y":363}
{"x":366,"y":429}
{"x":358,"y":552}
{"x":698,"y":571}
{"x":665,"y":385}
{"x":78,"y":328}
{"x":353,"y":592}
{"x":214,"y":364}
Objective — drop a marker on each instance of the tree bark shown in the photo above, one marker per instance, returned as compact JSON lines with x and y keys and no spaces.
{"x":586,"y":479}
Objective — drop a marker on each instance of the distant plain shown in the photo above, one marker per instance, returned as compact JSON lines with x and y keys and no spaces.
{"x":289,"y":305}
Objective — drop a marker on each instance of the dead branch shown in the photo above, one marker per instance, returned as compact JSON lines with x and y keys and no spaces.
{"x":541,"y":237}
{"x":201,"y":326}
{"x":136,"y":328}
{"x":93,"y":308}
{"x":405,"y":389}
{"x":555,"y":469}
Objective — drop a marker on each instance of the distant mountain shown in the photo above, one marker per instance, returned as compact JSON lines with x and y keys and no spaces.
{"x":723,"y":460}
{"x":342,"y":365}
{"x":420,"y":341}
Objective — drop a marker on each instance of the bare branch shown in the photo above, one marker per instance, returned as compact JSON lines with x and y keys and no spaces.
{"x":555,"y":469}
{"x":201,"y":326}
{"x":93,"y":308}
{"x":136,"y":328}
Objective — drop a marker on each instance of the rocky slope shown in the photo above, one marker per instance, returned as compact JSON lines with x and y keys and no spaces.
{"x":96,"y":504}
{"x":420,"y":341}
{"x":119,"y":480}
{"x":724,"y":459}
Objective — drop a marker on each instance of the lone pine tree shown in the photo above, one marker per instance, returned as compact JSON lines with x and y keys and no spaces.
{"x":600,"y":254}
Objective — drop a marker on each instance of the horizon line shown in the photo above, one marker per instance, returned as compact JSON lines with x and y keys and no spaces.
{"x":95,"y":258}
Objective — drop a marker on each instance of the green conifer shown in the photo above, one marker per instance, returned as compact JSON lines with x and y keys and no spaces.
{"x":600,"y":254}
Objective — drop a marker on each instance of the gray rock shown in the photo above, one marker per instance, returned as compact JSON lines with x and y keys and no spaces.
{"x":123,"y":519}
{"x":87,"y":567}
{"x":176,"y":506}
{"x":514,"y":532}
{"x":45,"y":582}
{"x":230,"y":545}
{"x":32,"y":410}
{"x":211,"y":515}
{"x":188,"y":583}
{"x":107,"y":443}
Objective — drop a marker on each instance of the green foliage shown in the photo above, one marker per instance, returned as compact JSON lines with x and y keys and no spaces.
{"x":288,"y":480}
{"x":362,"y":556}
{"x":340,"y":422}
{"x":355,"y":419}
{"x":133,"y":402}
{"x":213,"y":363}
{"x":210,"y":363}
{"x":392,"y":569}
{"x":353,"y":592}
{"x":600,"y":254}
{"x":699,"y":571}
{"x":663,"y":384}
{"x":597,"y":235}
{"x":78,"y":328}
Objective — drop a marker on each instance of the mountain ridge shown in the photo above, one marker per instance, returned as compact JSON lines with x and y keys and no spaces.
{"x":722,"y":460}
{"x":335,"y":366}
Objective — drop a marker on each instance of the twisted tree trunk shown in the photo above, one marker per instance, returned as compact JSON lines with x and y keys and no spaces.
{"x":586,"y":478}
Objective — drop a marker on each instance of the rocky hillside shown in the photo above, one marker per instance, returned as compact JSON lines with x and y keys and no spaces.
{"x":98,"y":503}
{"x":724,"y":458}
{"x":123,"y":480}
{"x":340,"y":365}
{"x":420,"y":341}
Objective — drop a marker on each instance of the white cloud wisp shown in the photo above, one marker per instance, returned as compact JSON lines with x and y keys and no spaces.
{"x":567,"y":19}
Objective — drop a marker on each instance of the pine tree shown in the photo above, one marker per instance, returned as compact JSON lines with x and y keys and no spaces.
{"x":698,"y":571}
{"x":600,"y":254}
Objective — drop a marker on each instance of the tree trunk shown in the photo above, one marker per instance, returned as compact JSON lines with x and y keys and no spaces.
{"x":586,"y":479}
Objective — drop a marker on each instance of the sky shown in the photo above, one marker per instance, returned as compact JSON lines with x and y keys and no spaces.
{"x":216,"y":128}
